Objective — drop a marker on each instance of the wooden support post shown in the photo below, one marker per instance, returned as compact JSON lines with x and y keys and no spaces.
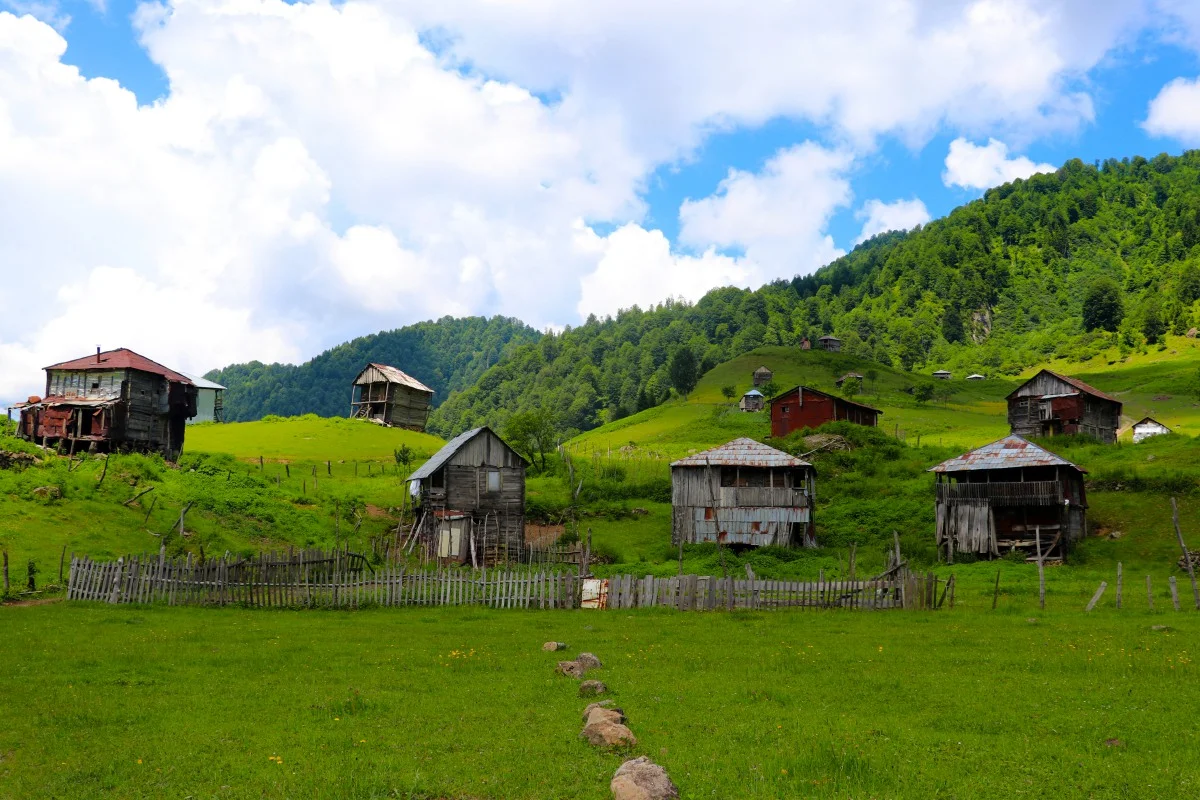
{"x":328,"y":469}
{"x":1096,"y":597}
{"x":260,"y":464}
{"x":183,"y":514}
{"x":133,"y":499}
{"x":153,"y":503}
{"x":996,"y":591}
{"x":1120,"y":581}
{"x":104,"y":471}
{"x":1174,"y":592}
{"x":1149,"y":594}
{"x":853,"y":553}
{"x":62,"y":560}
{"x":287,"y":468}
{"x":1187,"y":558}
{"x":896,"y":539}
{"x":6,"y":570}
{"x":1037,"y":537}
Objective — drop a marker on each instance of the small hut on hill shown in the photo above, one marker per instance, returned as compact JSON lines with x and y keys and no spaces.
{"x":763,"y":376}
{"x":390,"y":397}
{"x":472,"y":501}
{"x":1004,"y":496}
{"x":942,"y":375}
{"x":975,"y":377}
{"x":830,"y":343}
{"x":1146,"y":427}
{"x":743,"y":493}
{"x":849,"y":376}
{"x":1049,"y":404}
{"x":752,"y":400}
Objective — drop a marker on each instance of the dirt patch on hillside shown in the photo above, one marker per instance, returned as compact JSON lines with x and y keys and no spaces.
{"x":542,"y":535}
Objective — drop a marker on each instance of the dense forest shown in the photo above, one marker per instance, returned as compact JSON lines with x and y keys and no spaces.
{"x":1062,"y":264}
{"x":447,"y":355}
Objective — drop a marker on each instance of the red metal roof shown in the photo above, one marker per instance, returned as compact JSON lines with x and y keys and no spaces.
{"x":1007,"y":453}
{"x":1078,"y":384}
{"x":742,"y":453}
{"x":121,"y":358}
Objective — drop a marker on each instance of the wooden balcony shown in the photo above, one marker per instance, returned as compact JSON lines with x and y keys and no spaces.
{"x":1027,"y":493}
{"x":755,"y":497}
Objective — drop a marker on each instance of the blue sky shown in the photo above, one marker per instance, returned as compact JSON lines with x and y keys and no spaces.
{"x":288,"y":176}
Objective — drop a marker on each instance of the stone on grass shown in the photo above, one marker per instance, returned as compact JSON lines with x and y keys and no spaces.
{"x":550,"y":647}
{"x":592,"y":688}
{"x":588,"y":661}
{"x":606,"y":733}
{"x":605,"y":715}
{"x":572,"y":669}
{"x":593,"y":706}
{"x":642,"y":779}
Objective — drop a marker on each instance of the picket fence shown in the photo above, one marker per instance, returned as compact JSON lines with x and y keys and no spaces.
{"x":333,"y":583}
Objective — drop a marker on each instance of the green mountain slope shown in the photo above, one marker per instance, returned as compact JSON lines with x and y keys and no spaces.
{"x":446,"y":355}
{"x":998,"y":285}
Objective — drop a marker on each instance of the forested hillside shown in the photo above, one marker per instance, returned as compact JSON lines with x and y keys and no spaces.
{"x":447,"y":355}
{"x":1060,"y":265}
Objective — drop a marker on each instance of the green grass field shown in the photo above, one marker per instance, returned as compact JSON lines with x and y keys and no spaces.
{"x":461,"y":703}
{"x":309,"y":439}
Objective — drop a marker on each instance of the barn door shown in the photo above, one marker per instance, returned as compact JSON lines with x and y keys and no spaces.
{"x":450,"y":540}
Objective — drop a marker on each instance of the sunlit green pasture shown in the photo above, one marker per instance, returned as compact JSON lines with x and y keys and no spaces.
{"x":308,"y":438}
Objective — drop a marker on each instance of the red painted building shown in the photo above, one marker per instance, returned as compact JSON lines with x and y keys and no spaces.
{"x":803,"y":407}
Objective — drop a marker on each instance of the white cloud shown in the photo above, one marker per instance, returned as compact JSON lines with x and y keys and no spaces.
{"x":778,"y":216}
{"x":901,"y":215}
{"x":1175,"y":111}
{"x":973,"y":166}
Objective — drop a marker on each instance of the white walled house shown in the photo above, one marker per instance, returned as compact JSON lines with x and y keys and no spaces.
{"x":1147,"y":427}
{"x":210,"y":401}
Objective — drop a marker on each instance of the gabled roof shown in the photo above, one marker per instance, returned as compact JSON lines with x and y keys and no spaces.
{"x":782,"y":395}
{"x":942,"y":372}
{"x":828,"y":338}
{"x":1151,"y":419}
{"x":1078,"y":384}
{"x":763,"y":368}
{"x":448,"y":450}
{"x":1007,"y":453}
{"x":204,"y":383}
{"x":742,"y":453}
{"x":121,"y":358}
{"x":394,"y":375}
{"x":753,"y":393}
{"x":975,"y":376}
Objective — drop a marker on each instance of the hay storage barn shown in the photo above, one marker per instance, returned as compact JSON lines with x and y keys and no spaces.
{"x":472,"y":498}
{"x":743,"y":493}
{"x":115,"y":400}
{"x":803,"y":407}
{"x":752,"y":400}
{"x":390,"y":397}
{"x":1049,"y":404}
{"x":995,"y":499}
{"x":762,"y":376}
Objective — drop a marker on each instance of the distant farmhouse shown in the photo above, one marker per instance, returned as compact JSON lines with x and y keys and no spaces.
{"x":743,"y":493}
{"x":1049,"y":404}
{"x":472,"y":501}
{"x":1146,"y":427}
{"x":942,"y":375}
{"x":115,"y":400}
{"x":849,"y":376}
{"x":762,"y":376}
{"x":752,"y":400}
{"x":1005,"y":496}
{"x":390,"y":397}
{"x":975,"y":377}
{"x":210,"y":400}
{"x":803,"y":407}
{"x":830,"y":343}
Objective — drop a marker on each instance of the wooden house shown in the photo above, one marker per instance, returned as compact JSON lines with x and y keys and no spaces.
{"x":752,"y":400}
{"x":1146,"y":427}
{"x":1006,"y":495}
{"x":803,"y":407}
{"x":390,"y":397}
{"x":743,"y":493}
{"x":942,"y":375}
{"x":210,"y":400}
{"x":1048,"y":404}
{"x":849,"y":376}
{"x":472,"y":501}
{"x":830,"y":343}
{"x":975,"y":377}
{"x":115,"y":400}
{"x":805,"y":344}
{"x":762,"y":376}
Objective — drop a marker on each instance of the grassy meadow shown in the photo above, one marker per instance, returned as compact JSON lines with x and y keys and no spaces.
{"x":461,"y":703}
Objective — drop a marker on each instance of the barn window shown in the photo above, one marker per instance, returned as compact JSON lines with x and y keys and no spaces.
{"x":438,"y":479}
{"x":786,"y":408}
{"x":493,"y":481}
{"x":96,"y":385}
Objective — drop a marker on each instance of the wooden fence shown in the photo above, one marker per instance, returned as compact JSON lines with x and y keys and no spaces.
{"x":296,"y":582}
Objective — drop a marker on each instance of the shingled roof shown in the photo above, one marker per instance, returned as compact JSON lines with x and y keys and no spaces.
{"x":1007,"y":453}
{"x":1078,"y":384}
{"x":742,"y":453}
{"x":394,"y":375}
{"x":121,"y":358}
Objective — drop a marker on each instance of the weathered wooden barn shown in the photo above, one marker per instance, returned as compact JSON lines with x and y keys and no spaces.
{"x":943,"y":375}
{"x":1005,"y":495}
{"x":1048,"y":404}
{"x":471,"y":495}
{"x":743,"y":493}
{"x":803,"y":407}
{"x":830,"y":343}
{"x":762,"y":376}
{"x":752,"y":400}
{"x":390,"y":397}
{"x":849,"y":376}
{"x":114,"y":400}
{"x":210,"y":400}
{"x":1146,"y":427}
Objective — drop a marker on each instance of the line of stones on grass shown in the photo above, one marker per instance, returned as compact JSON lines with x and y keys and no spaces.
{"x":604,"y":727}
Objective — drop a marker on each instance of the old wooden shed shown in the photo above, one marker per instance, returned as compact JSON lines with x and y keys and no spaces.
{"x":1146,"y":427}
{"x":1049,"y":404}
{"x":762,"y":376}
{"x":114,"y":400}
{"x":1006,"y":494}
{"x":830,"y":343}
{"x":390,"y":397}
{"x":472,"y":501}
{"x":804,"y":407}
{"x":752,"y":400}
{"x":743,"y":493}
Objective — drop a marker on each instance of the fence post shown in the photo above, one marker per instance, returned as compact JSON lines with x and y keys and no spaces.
{"x":1096,"y":597}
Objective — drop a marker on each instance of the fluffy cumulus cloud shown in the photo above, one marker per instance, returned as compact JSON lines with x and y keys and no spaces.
{"x":974,"y":166}
{"x":1175,"y":111}
{"x":317,"y":171}
{"x":880,"y":217}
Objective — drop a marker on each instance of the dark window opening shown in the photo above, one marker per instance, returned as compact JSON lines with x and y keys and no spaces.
{"x":438,"y":479}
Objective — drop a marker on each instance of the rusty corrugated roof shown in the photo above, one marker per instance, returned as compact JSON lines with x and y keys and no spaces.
{"x":121,"y":358}
{"x":742,"y":453}
{"x":1007,"y":453}
{"x":396,"y":376}
{"x":1078,"y":384}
